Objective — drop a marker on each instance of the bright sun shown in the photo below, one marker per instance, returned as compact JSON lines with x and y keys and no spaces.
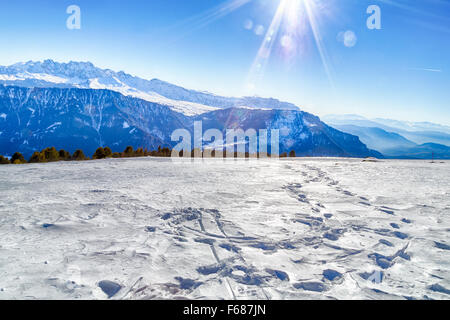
{"x":287,"y":30}
{"x":293,"y":22}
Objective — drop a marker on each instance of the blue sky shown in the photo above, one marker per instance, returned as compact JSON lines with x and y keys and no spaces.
{"x":401,"y":71}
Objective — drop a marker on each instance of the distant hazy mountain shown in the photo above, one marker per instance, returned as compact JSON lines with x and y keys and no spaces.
{"x":377,"y":138}
{"x":85,"y":75}
{"x":32,"y":119}
{"x":418,"y":132}
{"x":394,"y":141}
{"x":423,"y":151}
{"x":345,"y":119}
{"x":414,"y":126}
{"x":393,"y":145}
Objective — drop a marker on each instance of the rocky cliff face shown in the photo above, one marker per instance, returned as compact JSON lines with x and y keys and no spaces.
{"x":299,"y":131}
{"x":35,"y":118}
{"x":32,"y":119}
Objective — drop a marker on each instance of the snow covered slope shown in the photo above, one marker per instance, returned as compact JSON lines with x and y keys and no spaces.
{"x":85,"y":75}
{"x":302,"y":229}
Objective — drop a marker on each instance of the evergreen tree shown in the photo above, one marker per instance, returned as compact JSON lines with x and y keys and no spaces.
{"x":64,"y":155}
{"x":4,"y":160}
{"x":79,"y":156}
{"x":292,"y":154}
{"x":108,"y":152}
{"x":99,"y":154}
{"x":140,"y":152}
{"x":37,"y":157}
{"x":129,"y":152}
{"x":18,"y":158}
{"x":51,"y":154}
{"x":166,"y":152}
{"x":116,"y":155}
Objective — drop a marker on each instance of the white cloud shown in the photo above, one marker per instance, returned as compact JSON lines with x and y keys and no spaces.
{"x":427,"y":69}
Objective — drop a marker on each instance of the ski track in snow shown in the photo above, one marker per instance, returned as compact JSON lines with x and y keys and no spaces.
{"x":290,"y":229}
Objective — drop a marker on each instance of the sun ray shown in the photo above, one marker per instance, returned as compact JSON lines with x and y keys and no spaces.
{"x":318,"y":39}
{"x":205,"y":18}
{"x":265,"y":50}
{"x":294,"y":16}
{"x":217,"y":12}
{"x":415,"y":10}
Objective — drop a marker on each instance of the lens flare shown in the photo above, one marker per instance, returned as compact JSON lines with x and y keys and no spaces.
{"x":288,"y":29}
{"x":311,"y":13}
{"x":263,"y":55}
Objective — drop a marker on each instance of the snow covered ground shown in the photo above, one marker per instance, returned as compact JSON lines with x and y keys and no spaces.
{"x":289,"y":229}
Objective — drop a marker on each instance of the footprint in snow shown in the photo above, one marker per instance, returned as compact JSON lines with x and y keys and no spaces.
{"x":310,"y":286}
{"x":110,"y":288}
{"x":331,"y":275}
{"x":441,"y":245}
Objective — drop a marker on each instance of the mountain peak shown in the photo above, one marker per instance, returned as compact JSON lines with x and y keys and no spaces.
{"x":76,"y":74}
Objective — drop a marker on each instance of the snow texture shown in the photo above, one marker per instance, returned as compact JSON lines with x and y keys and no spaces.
{"x":290,"y":229}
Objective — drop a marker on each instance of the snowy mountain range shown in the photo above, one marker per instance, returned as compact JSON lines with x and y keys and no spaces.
{"x":84,"y":75}
{"x":76,"y":105}
{"x":68,"y":118}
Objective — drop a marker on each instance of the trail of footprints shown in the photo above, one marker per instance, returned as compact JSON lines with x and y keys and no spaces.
{"x":225,"y":241}
{"x":324,"y":233}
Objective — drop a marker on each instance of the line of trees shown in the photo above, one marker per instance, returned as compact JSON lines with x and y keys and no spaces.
{"x":53,"y":155}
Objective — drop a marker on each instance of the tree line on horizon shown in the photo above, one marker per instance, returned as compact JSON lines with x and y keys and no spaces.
{"x":52,"y":155}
